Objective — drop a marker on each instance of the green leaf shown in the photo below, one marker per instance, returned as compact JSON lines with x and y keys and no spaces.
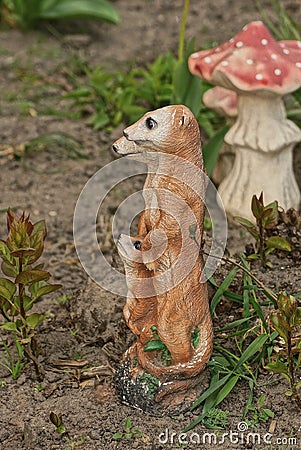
{"x":223,"y":287}
{"x":253,"y":256}
{"x":270,"y":220}
{"x":5,"y":252}
{"x":8,"y":269}
{"x":128,"y":424}
{"x":212,"y":147}
{"x":257,"y":206}
{"x":61,"y":429}
{"x":279,"y":243}
{"x":253,"y":348}
{"x":9,"y":326}
{"x":210,"y":391}
{"x":226,"y":389}
{"x":154,"y":345}
{"x":43,"y":290}
{"x":29,"y":276}
{"x":34,"y":320}
{"x":278,"y":367}
{"x":234,"y":324}
{"x":137,"y":432}
{"x":268,"y":413}
{"x":245,"y":222}
{"x":95,"y":9}
{"x":7,"y":288}
{"x":117,"y":435}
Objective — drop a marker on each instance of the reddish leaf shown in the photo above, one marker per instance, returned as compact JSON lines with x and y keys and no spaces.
{"x":257,"y":206}
{"x":22,"y":252}
{"x":8,"y":269}
{"x":30,"y":276}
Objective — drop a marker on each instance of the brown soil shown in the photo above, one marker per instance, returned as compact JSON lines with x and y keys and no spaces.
{"x":36,"y":69}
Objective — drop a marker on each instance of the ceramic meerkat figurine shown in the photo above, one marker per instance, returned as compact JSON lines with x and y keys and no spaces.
{"x":177,"y":302}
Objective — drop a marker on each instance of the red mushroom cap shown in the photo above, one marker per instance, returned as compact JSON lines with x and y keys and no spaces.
{"x":221,"y":100}
{"x":251,"y":61}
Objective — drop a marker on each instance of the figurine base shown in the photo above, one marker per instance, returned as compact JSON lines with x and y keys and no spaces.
{"x":141,"y":393}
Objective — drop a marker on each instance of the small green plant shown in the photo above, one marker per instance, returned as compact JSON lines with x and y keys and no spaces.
{"x":266,"y":217}
{"x":24,"y":283}
{"x":13,"y":365}
{"x":57,"y":421}
{"x":73,"y":331}
{"x":39,"y":387}
{"x":216,"y":419}
{"x":122,"y":97}
{"x":258,"y":412}
{"x":286,"y":320}
{"x":150,"y":382}
{"x":29,"y":13}
{"x":156,"y":344}
{"x":128,"y":432}
{"x":60,"y":428}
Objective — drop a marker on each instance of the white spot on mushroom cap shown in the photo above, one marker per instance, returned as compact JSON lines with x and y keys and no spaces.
{"x":299,"y":44}
{"x":231,"y":40}
{"x":207,"y":59}
{"x":224,"y":63}
{"x":274,"y":56}
{"x":239,"y":44}
{"x":259,"y":76}
{"x":281,"y":44}
{"x":277,"y":72}
{"x":264,"y":41}
{"x":298,"y":64}
{"x":249,"y":61}
{"x":194,"y":55}
{"x":286,"y":51}
{"x":245,"y":27}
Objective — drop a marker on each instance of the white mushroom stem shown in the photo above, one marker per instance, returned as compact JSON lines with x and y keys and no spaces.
{"x":263,"y":140}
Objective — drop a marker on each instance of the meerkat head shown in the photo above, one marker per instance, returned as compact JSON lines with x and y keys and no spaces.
{"x":165,"y":130}
{"x":129,"y":250}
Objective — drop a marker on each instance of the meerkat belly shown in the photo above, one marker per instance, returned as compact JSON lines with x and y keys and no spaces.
{"x":152,"y":211}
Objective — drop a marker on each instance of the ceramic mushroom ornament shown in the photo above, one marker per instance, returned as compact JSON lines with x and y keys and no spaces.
{"x":261,"y":71}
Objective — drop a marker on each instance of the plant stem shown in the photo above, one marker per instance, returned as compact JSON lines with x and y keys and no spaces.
{"x":28,"y":347}
{"x":183,"y":29}
{"x":291,"y":370}
{"x":21,"y":298}
{"x":261,"y":249}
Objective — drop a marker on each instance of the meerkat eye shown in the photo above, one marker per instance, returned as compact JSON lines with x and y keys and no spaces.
{"x":138,"y":245}
{"x":150,"y":123}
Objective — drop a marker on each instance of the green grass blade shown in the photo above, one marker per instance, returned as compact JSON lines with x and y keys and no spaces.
{"x":253,"y":348}
{"x":212,"y":147}
{"x":221,"y":290}
{"x":234,"y":324}
{"x":210,"y":391}
{"x":225,"y":391}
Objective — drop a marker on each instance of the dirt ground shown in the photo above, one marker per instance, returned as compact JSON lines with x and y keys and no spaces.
{"x":84,"y":323}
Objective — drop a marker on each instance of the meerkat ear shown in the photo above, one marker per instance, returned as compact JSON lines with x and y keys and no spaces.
{"x":182,"y":121}
{"x":180,"y":118}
